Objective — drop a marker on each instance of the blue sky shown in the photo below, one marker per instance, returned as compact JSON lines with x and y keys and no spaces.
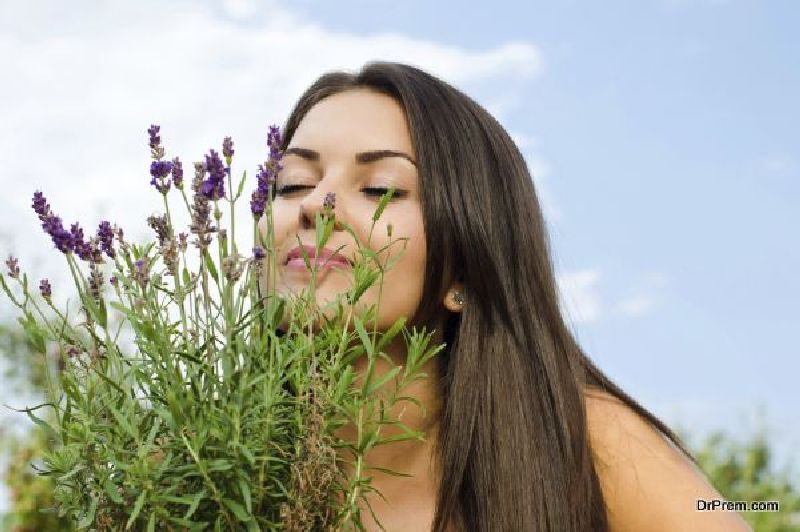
{"x":663,"y":137}
{"x":669,"y":135}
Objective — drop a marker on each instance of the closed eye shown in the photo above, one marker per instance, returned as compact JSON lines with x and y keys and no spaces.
{"x":371,"y":191}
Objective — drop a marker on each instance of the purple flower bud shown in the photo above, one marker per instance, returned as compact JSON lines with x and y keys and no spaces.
{"x":62,"y":238}
{"x":257,"y":204}
{"x":113,"y":280}
{"x":95,"y":281}
{"x":258,"y":252}
{"x":45,"y":289}
{"x":177,"y":173}
{"x":51,"y":224}
{"x":160,"y":225}
{"x":227,"y":150}
{"x":274,"y":142}
{"x":40,"y":205}
{"x":13,"y":267}
{"x":82,"y":248}
{"x":159,"y":170}
{"x":105,"y":235}
{"x":330,"y":200}
{"x":214,"y":187}
{"x":267,"y":173}
{"x":155,"y":140}
{"x":142,"y":273}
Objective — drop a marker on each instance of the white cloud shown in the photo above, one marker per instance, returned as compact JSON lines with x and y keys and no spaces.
{"x":637,"y":305}
{"x":777,"y":164}
{"x":582,"y":300}
{"x":579,"y":295}
{"x":83,"y":82}
{"x":541,"y":171}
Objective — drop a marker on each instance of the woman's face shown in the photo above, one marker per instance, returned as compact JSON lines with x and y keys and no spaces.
{"x":355,"y":144}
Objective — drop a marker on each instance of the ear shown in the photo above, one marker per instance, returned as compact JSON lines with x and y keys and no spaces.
{"x":451,"y":301}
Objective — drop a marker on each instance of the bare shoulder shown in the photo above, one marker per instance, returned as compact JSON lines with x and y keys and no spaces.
{"x":648,"y":484}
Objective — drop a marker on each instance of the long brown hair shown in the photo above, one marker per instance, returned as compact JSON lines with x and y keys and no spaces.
{"x":513,"y":447}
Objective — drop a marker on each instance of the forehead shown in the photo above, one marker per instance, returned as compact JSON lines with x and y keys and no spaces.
{"x":353,"y":121}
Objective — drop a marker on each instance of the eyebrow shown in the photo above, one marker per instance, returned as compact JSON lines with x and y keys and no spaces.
{"x":363,"y":157}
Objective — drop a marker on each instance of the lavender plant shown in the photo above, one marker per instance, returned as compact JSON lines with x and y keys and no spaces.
{"x":213,"y":418}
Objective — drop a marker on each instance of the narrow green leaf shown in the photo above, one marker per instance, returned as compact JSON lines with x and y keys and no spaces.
{"x":88,"y":519}
{"x":237,"y":509}
{"x":111,"y":490}
{"x":369,"y":280}
{"x":137,"y":507}
{"x":389,"y":335}
{"x":33,"y":332}
{"x":123,"y":421}
{"x":245,"y":489}
{"x":42,"y":423}
{"x":7,"y":290}
{"x":102,"y":314}
{"x":122,"y":308}
{"x":195,"y":503}
{"x":209,"y":262}
{"x":320,"y":231}
{"x":362,"y":334}
{"x":241,"y":186}
{"x":75,"y":470}
{"x":384,"y":378}
{"x":388,"y":471}
{"x":247,"y":454}
{"x":153,"y":431}
{"x":382,"y":205}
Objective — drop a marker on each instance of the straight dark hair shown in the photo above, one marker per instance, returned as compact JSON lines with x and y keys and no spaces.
{"x":513,"y":447}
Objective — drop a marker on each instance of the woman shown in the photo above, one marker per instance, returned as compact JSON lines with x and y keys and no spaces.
{"x":523,"y":432}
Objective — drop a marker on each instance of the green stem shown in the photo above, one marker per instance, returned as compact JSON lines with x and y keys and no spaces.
{"x":177,"y":278}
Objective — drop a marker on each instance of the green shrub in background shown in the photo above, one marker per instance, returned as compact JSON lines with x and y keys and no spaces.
{"x":29,"y":493}
{"x":743,"y":471}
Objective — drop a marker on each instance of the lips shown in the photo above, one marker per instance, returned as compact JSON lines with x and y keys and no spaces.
{"x":326,"y":255}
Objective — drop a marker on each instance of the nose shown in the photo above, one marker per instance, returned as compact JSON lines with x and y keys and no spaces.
{"x":315,"y":203}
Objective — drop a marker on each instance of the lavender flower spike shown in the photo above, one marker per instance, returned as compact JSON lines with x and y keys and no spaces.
{"x":13,"y":267}
{"x":267,"y":173}
{"x":156,"y":149}
{"x":155,"y":140}
{"x":40,"y":205}
{"x":105,"y":236}
{"x":159,"y":170}
{"x":52,"y":225}
{"x":81,"y":247}
{"x":45,"y":289}
{"x":227,"y":150}
{"x":177,"y":173}
{"x":214,"y":187}
{"x":330,"y":200}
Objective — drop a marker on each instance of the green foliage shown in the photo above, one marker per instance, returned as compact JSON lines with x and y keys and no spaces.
{"x":30,"y":494}
{"x":744,"y":471}
{"x":213,"y":421}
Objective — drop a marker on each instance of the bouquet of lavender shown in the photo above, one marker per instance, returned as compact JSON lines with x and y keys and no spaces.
{"x":211,"y":417}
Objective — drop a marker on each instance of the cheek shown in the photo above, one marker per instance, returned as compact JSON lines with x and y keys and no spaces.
{"x":403,"y":284}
